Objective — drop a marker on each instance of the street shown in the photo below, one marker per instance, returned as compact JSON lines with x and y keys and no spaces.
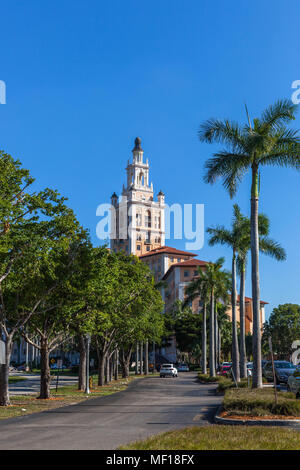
{"x":31,"y":385}
{"x":148,"y":406}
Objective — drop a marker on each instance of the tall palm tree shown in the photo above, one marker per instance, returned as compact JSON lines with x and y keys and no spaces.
{"x":266,"y":141}
{"x":231,"y":237}
{"x":221,"y":298}
{"x":198,"y":288}
{"x":266,"y":246}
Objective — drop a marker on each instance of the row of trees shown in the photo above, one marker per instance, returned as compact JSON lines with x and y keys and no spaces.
{"x":55,"y":285}
{"x":265,"y":141}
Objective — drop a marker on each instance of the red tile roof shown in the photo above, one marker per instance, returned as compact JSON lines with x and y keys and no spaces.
{"x":190,"y":263}
{"x":169,"y":250}
{"x":249,"y":299}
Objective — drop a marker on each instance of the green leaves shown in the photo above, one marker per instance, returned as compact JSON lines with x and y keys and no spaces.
{"x":267,"y":142}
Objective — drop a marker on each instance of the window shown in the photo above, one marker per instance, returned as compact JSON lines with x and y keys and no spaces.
{"x":138,"y":247}
{"x":148,"y":248}
{"x":178,"y":260}
{"x":157,"y":221}
{"x":172,"y":260}
{"x":139,"y":237}
{"x":186,"y":273}
{"x":196,"y":273}
{"x":148,"y":219}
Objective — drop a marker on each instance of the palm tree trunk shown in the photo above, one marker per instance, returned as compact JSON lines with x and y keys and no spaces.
{"x":216,"y":336}
{"x":243,"y":368}
{"x":235,"y":347}
{"x":212,"y":355}
{"x":257,"y":372}
{"x":204,"y":340}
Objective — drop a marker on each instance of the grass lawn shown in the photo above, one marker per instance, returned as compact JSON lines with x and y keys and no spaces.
{"x":260,"y":402}
{"x":23,"y":404}
{"x":218,"y":437}
{"x":14,"y":378}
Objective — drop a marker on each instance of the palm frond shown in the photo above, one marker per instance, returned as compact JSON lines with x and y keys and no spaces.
{"x":272,"y":248}
{"x":214,"y":130}
{"x":276,"y":114}
{"x":219,"y":235}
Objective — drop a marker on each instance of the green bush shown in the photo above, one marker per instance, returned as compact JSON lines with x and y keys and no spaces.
{"x":261,"y":402}
{"x":206,"y":378}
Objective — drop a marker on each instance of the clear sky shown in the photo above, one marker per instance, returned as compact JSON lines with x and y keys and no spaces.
{"x":84,"y":78}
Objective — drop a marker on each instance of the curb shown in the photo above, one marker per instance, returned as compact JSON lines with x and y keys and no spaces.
{"x":292,"y":423}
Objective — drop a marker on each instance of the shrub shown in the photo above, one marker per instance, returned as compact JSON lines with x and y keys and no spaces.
{"x":260,"y":402}
{"x":206,"y":378}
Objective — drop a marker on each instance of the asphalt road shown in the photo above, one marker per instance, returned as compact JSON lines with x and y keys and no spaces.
{"x":31,"y":385}
{"x":148,"y":406}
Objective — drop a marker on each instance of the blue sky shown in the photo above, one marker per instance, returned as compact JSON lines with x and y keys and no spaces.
{"x":85,"y":78}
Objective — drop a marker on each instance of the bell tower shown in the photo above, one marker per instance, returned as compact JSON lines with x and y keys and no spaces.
{"x":144,"y":217}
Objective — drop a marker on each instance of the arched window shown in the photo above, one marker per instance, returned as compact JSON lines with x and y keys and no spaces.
{"x":141,"y":178}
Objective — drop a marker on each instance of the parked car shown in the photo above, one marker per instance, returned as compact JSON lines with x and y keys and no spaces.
{"x":183,"y":368}
{"x":55,"y":366}
{"x":293,"y":384}
{"x":225,"y":368}
{"x":283,"y":369}
{"x":168,"y":370}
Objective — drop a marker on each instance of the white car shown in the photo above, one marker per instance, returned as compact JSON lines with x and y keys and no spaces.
{"x":183,"y":368}
{"x":168,"y":370}
{"x":293,"y":383}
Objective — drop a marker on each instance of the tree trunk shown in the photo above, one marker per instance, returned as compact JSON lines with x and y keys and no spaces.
{"x":125,"y":361}
{"x":257,"y":372}
{"x":243,"y":368}
{"x":111,"y":369}
{"x":235,"y":347}
{"x":101,"y":369}
{"x":4,"y":374}
{"x":216,"y":336}
{"x":212,"y":370}
{"x":146,"y":357}
{"x":141,"y":358}
{"x":116,"y":364}
{"x":204,"y":340}
{"x":107,"y":370}
{"x":82,"y":363}
{"x":137,"y":359}
{"x":45,"y":371}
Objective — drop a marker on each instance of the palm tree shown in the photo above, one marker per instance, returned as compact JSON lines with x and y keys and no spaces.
{"x":221,"y":298}
{"x":198,"y":288}
{"x":231,"y":238}
{"x":212,"y":282}
{"x":266,"y":141}
{"x":266,"y":246}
